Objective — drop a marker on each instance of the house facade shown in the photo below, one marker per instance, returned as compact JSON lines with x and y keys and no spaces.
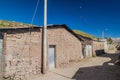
{"x":98,"y":47}
{"x":91,"y":47}
{"x":105,"y":45}
{"x":22,"y":54}
{"x":86,"y":46}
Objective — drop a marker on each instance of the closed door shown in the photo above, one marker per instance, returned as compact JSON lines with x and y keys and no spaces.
{"x":51,"y":57}
{"x":88,"y":51}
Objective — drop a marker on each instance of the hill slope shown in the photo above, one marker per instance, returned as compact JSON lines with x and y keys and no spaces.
{"x":116,"y":39}
{"x":84,"y":34}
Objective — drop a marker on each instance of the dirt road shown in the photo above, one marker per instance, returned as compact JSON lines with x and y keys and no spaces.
{"x":97,"y":68}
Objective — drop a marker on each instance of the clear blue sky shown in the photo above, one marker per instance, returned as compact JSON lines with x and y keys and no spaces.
{"x":91,"y":16}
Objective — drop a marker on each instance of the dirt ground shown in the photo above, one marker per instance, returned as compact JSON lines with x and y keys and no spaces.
{"x":97,"y":68}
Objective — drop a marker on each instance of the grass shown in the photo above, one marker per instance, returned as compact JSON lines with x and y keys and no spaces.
{"x":84,"y":34}
{"x":8,"y":24}
{"x":93,"y":55}
{"x":2,"y":26}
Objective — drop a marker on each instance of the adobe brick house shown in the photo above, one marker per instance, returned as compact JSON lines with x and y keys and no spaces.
{"x":91,"y":47}
{"x":86,"y":46}
{"x":22,"y":50}
{"x":98,"y":47}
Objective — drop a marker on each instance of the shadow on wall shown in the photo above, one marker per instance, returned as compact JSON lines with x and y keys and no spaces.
{"x":108,"y":71}
{"x":99,"y":52}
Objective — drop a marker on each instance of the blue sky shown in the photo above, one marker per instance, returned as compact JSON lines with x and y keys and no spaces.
{"x":91,"y":16}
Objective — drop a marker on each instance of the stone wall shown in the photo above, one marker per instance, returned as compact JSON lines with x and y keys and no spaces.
{"x":68,"y":47}
{"x":112,"y":48}
{"x":24,"y":56}
{"x":98,"y":48}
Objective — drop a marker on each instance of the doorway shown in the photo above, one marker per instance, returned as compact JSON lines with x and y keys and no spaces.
{"x":51,"y":57}
{"x":88,"y":51}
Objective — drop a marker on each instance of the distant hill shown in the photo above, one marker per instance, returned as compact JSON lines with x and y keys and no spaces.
{"x":9,"y":24}
{"x":85,"y":34}
{"x":116,"y":39}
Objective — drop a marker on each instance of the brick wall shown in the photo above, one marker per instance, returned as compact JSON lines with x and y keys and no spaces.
{"x":23,"y":54}
{"x":23,"y":51}
{"x":98,"y":48}
{"x":68,"y":47}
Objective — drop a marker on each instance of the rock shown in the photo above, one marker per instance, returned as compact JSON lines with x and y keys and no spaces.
{"x":117,"y":62}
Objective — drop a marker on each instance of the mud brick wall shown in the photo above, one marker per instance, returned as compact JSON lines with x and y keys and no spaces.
{"x":68,"y":47}
{"x":23,"y":54}
{"x":98,"y":48}
{"x":23,"y":51}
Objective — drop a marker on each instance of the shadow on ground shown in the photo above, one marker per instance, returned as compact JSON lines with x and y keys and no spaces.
{"x":108,"y":71}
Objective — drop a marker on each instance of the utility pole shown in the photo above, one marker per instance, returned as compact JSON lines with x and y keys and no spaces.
{"x":45,"y":37}
{"x":103,"y":34}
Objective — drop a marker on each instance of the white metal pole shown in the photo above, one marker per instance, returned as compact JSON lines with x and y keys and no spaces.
{"x":103,"y":34}
{"x":45,"y":37}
